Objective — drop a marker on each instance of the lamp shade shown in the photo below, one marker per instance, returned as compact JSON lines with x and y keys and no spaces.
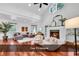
{"x":72,"y":23}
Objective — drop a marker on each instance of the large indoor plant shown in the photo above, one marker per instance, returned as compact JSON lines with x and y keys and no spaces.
{"x":4,"y":28}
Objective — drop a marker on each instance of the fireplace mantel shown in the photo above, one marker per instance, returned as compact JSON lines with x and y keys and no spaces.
{"x":62,"y":32}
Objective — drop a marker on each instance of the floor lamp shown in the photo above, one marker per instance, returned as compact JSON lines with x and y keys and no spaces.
{"x":74,"y":24}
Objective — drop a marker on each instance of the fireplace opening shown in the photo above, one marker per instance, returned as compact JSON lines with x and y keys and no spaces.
{"x":54,"y":33}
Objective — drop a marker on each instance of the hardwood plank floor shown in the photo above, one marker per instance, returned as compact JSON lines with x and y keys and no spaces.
{"x":32,"y":54}
{"x":15,"y":53}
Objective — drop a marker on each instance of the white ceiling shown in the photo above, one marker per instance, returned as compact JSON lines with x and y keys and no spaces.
{"x":22,"y":11}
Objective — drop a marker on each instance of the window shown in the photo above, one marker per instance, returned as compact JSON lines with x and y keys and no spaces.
{"x":34,"y":28}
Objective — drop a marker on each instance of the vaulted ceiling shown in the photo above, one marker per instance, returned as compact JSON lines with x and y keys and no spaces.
{"x":22,"y":12}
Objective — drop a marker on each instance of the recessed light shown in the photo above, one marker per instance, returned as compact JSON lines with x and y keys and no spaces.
{"x":29,"y":4}
{"x":39,"y":9}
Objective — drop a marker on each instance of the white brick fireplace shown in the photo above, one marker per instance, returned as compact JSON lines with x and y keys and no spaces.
{"x":62,"y":32}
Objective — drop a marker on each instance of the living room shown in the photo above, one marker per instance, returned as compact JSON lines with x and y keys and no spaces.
{"x":30,"y":20}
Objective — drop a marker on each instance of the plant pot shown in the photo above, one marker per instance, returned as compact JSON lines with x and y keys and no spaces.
{"x":5,"y":38}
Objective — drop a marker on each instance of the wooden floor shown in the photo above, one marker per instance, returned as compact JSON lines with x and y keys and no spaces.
{"x":32,"y":54}
{"x":12,"y":42}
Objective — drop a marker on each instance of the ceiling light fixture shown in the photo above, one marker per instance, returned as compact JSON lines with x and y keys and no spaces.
{"x":39,"y":9}
{"x":29,"y":4}
{"x":41,"y":4}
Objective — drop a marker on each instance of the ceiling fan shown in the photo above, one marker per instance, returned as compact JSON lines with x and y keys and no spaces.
{"x":40,"y":4}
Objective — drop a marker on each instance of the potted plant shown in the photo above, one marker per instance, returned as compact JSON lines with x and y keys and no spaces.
{"x":4,"y":28}
{"x":62,"y":19}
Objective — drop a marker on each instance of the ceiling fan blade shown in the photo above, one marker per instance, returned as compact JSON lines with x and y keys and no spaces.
{"x":35,"y":3}
{"x":40,"y":5}
{"x":45,"y":3}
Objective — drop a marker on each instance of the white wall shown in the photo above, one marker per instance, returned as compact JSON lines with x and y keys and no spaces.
{"x":70,"y":10}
